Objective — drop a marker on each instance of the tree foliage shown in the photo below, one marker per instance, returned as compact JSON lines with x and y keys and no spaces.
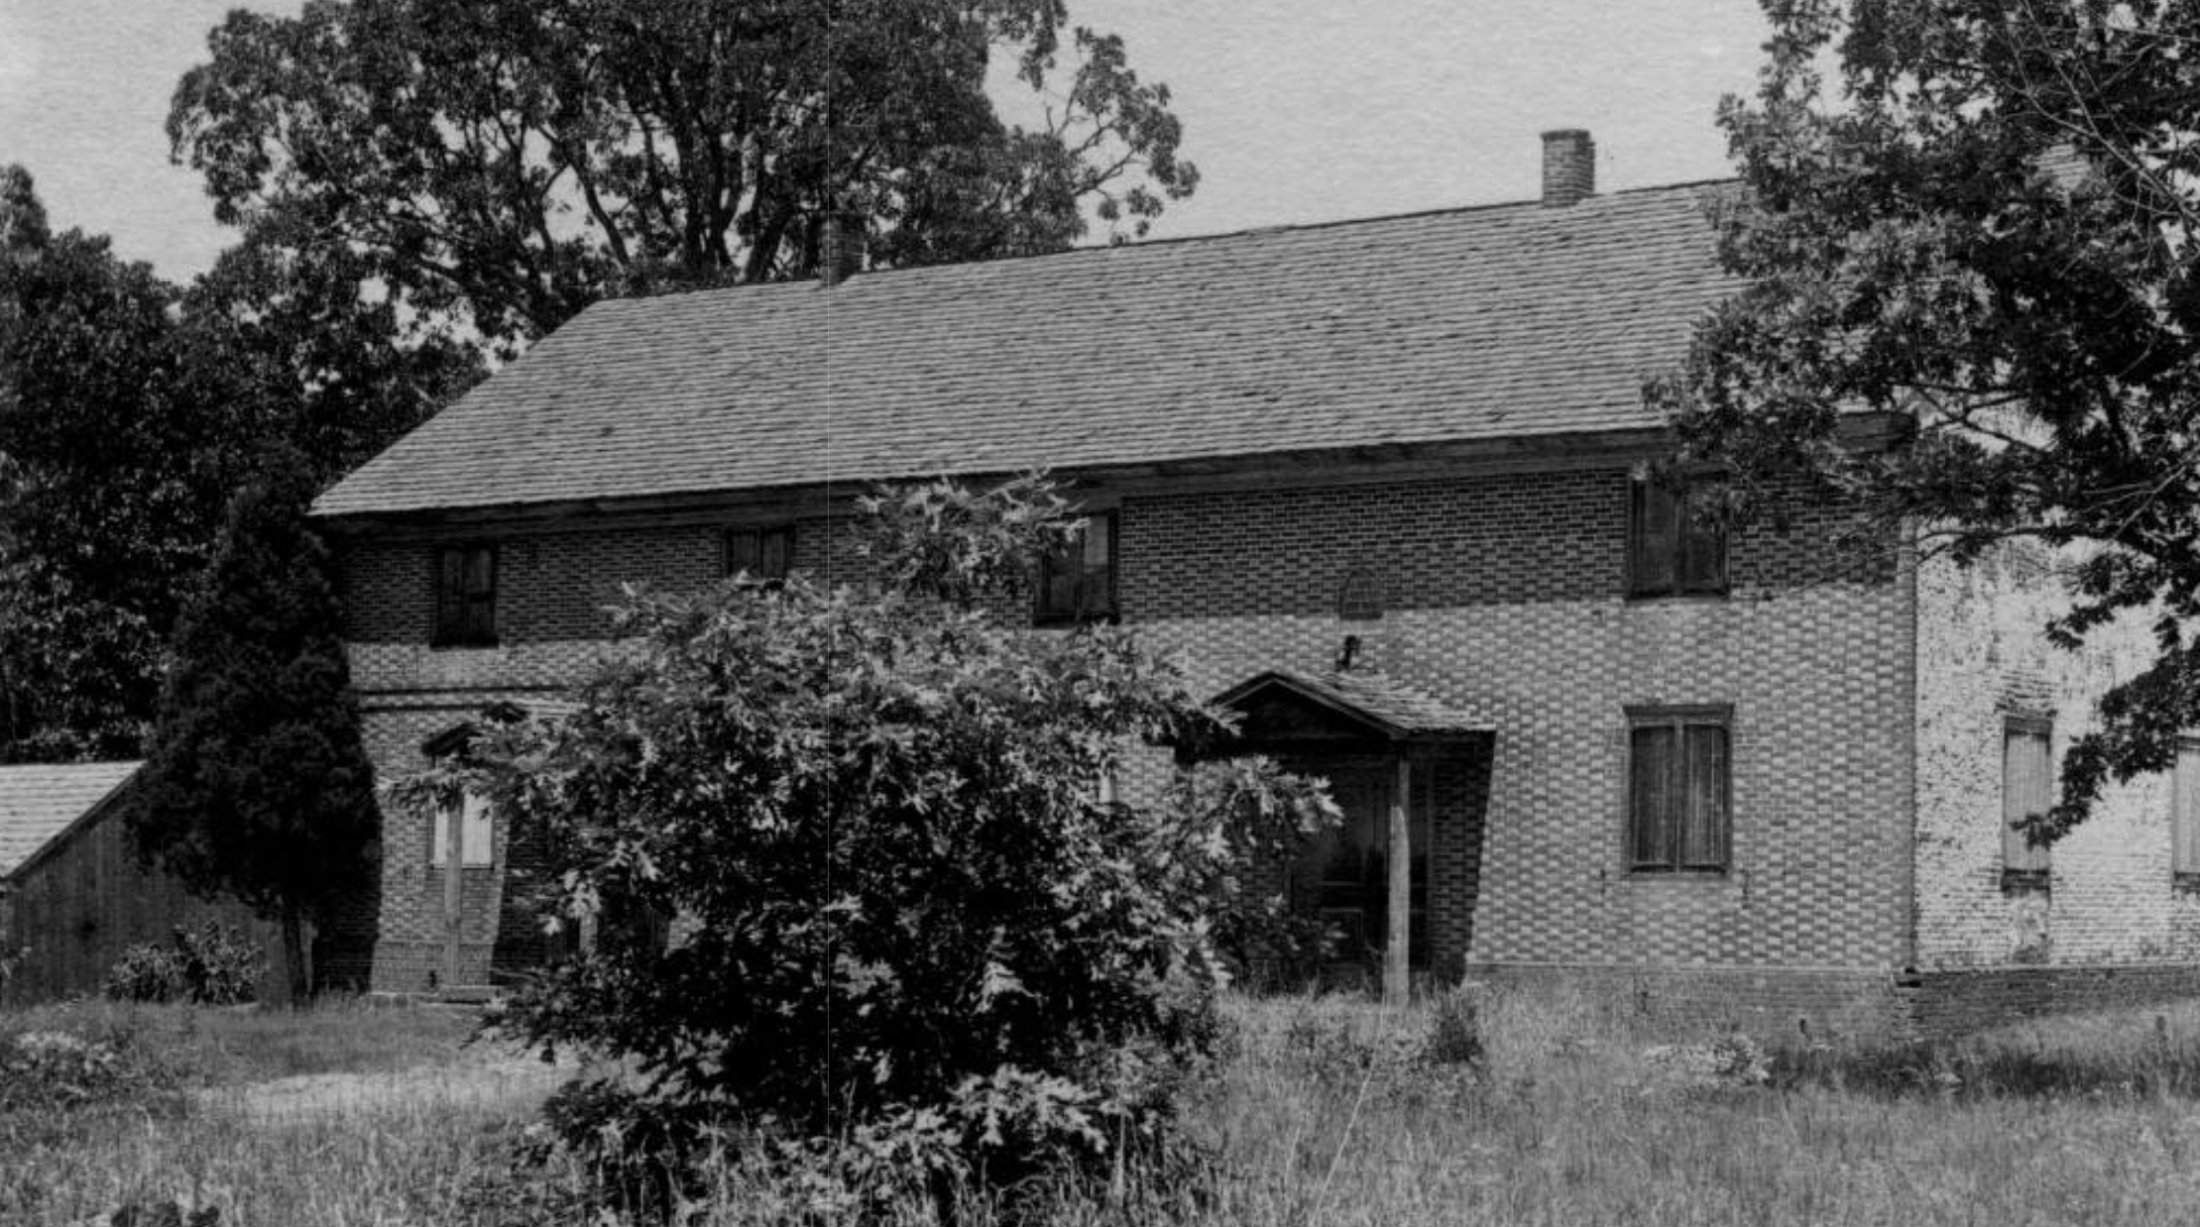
{"x":1987,"y":238}
{"x":903,"y":914}
{"x":112,"y":476}
{"x":130,"y":412}
{"x":257,"y":785}
{"x":513,"y":160}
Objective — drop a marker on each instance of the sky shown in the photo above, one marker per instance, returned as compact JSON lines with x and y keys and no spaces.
{"x":1296,"y":111}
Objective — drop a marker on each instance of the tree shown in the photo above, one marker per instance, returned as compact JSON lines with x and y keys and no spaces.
{"x":1989,"y":242}
{"x":129,"y":414}
{"x":907,"y":923}
{"x":257,"y":785}
{"x":112,"y":476}
{"x":510,"y":161}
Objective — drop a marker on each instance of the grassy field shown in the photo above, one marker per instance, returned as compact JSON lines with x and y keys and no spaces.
{"x":1326,"y":1111}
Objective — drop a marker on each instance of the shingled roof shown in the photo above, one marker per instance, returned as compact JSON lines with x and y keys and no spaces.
{"x":1456,"y":326}
{"x":39,"y":801}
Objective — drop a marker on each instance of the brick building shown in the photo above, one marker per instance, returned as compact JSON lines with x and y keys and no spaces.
{"x":1380,"y":482}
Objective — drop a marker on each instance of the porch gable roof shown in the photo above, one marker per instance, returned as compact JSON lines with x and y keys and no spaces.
{"x":1286,"y":706}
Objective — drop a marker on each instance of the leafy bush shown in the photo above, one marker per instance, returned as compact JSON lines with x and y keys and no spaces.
{"x":215,"y":965}
{"x":902,"y":911}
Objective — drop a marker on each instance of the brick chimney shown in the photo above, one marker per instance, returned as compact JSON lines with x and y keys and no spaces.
{"x":841,"y":247}
{"x":1569,"y":167}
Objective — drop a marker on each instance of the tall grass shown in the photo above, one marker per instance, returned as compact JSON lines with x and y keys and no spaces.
{"x":1503,"y":1108}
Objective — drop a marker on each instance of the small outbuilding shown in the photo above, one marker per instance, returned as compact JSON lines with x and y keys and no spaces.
{"x":72,"y":896}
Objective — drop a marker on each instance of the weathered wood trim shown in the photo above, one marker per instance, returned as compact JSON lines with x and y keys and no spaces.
{"x":1397,"y":951}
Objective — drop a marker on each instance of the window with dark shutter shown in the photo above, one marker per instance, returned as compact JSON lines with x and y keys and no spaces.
{"x":2027,"y":791}
{"x":465,"y":596}
{"x":1077,"y":584}
{"x":762,"y":555}
{"x":1671,"y":551}
{"x":1678,"y":788}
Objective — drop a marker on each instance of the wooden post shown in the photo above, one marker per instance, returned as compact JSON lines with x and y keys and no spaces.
{"x":1397,"y":951}
{"x":454,"y":890}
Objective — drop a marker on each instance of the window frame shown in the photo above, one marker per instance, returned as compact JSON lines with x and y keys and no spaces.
{"x":1678,"y":719}
{"x":1682,"y":543}
{"x":2024,"y":868}
{"x":453,"y":613}
{"x":2184,"y":816}
{"x":474,"y":814}
{"x":760,"y":533}
{"x":1080,"y":608}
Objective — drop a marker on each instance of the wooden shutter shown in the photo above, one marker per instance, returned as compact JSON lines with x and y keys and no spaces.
{"x":450,"y":595}
{"x":775,"y":553}
{"x":2184,"y":825}
{"x":1703,"y":552}
{"x":2025,"y":791}
{"x":1650,"y":818}
{"x":1096,"y":583}
{"x":1704,"y":827}
{"x":742,"y":552}
{"x":1650,"y":540}
{"x":481,"y":595}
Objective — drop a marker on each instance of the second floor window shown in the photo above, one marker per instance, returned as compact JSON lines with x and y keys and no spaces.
{"x":764,"y":555}
{"x":1670,"y":552}
{"x":466,"y":596}
{"x":1077,"y":584}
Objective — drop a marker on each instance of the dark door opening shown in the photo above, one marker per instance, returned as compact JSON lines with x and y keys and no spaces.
{"x":1344,"y":873}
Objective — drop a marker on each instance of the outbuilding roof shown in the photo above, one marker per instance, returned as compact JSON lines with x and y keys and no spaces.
{"x":1454,"y":326}
{"x":38,"y":801}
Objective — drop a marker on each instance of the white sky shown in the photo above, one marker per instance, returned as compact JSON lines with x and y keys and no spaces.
{"x":1295,"y":110}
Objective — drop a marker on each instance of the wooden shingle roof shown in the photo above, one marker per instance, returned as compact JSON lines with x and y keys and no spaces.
{"x":1455,"y":326}
{"x":38,"y":801}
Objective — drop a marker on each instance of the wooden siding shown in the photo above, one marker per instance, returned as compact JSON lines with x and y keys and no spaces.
{"x":74,"y":906}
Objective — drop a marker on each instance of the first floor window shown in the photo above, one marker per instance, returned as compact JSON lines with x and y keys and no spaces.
{"x":2027,"y":790}
{"x":1678,"y":764}
{"x":474,"y":833}
{"x":2184,"y":817}
{"x":763,"y":555}
{"x":466,"y":596}
{"x":1077,"y":583}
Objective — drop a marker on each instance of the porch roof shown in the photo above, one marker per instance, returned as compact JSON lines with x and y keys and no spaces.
{"x":1283,"y":706}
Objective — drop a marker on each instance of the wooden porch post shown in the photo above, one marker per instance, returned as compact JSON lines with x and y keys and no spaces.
{"x":1397,"y":951}
{"x":454,"y":851}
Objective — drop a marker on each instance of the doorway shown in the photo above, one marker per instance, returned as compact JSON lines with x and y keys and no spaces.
{"x":1343,"y":874}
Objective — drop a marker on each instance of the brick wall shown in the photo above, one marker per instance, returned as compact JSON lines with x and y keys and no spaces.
{"x":499,"y":934}
{"x":1981,"y":658}
{"x":1506,"y":597}
{"x":1501,"y":595}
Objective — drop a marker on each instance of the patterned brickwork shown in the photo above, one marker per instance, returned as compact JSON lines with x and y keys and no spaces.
{"x":1818,"y":678}
{"x":408,"y":955}
{"x":1497,"y":540}
{"x":1505,"y":597}
{"x":1982,"y":657}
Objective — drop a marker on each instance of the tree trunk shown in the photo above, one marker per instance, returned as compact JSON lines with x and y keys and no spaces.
{"x":294,"y":957}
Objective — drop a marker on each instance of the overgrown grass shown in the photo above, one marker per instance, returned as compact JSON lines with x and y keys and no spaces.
{"x":151,"y":1126}
{"x":1325,"y":1111}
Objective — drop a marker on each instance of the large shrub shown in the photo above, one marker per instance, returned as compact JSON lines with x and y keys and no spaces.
{"x":853,"y":879}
